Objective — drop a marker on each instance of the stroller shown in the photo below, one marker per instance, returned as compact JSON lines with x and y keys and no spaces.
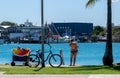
{"x":20,"y":55}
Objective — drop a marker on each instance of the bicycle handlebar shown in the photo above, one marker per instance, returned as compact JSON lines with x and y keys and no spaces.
{"x":49,"y":45}
{"x":38,"y":50}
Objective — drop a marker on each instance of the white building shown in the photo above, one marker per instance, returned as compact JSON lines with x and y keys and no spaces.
{"x":27,"y":23}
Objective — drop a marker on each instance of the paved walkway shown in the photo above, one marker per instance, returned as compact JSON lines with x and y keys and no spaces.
{"x":43,"y":76}
{"x":2,"y":75}
{"x":60,"y":76}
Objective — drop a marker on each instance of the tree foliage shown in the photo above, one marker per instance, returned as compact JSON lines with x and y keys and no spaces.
{"x":8,"y":23}
{"x":91,"y":2}
{"x":116,"y":31}
{"x":97,"y":30}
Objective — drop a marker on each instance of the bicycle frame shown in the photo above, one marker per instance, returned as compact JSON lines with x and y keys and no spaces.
{"x":50,"y":53}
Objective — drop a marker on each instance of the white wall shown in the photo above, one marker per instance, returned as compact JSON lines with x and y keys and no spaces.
{"x":14,"y":35}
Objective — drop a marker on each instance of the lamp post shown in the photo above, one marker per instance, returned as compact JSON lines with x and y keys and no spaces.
{"x":42,"y":37}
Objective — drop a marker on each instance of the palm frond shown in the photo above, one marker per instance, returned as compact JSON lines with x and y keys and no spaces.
{"x":90,"y":2}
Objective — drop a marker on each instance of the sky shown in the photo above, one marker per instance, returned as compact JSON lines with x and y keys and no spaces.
{"x":19,"y":11}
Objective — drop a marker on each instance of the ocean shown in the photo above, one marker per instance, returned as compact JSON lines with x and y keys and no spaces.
{"x":89,"y":53}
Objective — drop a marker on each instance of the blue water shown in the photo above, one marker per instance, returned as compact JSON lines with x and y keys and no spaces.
{"x":89,"y":53}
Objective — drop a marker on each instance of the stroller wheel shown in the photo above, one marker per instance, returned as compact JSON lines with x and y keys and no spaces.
{"x":12,"y":63}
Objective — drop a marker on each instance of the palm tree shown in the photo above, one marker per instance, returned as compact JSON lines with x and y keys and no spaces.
{"x":108,"y":56}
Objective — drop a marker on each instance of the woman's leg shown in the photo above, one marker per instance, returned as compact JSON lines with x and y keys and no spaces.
{"x":71,"y":56}
{"x":74,"y":58}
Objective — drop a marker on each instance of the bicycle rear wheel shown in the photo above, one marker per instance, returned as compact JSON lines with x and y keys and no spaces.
{"x":33,"y":60}
{"x":55,"y":60}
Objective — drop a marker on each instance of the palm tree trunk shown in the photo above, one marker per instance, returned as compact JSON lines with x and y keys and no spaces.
{"x":108,"y":56}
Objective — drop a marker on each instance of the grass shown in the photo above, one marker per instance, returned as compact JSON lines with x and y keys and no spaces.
{"x":62,"y":70}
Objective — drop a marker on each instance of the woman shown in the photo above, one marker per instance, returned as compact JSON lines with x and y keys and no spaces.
{"x":74,"y":50}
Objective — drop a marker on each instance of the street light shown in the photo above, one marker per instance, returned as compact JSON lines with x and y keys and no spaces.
{"x":42,"y":37}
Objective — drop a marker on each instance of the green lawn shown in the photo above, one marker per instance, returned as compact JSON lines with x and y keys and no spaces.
{"x":61,"y":70}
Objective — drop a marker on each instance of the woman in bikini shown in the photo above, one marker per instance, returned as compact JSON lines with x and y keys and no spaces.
{"x":74,"y":50}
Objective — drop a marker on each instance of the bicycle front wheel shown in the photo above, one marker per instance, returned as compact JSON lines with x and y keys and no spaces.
{"x":55,"y":60}
{"x":33,"y":60}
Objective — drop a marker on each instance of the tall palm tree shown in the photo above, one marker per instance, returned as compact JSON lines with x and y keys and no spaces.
{"x":108,"y":56}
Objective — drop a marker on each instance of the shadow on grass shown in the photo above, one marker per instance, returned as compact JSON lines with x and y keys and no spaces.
{"x":94,"y":67}
{"x":82,"y":68}
{"x":39,"y":69}
{"x":87,"y":68}
{"x":116,"y":67}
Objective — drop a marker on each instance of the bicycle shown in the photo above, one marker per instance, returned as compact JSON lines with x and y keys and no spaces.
{"x":35,"y":60}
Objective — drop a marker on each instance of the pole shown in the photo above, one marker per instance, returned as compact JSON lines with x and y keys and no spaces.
{"x":42,"y":37}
